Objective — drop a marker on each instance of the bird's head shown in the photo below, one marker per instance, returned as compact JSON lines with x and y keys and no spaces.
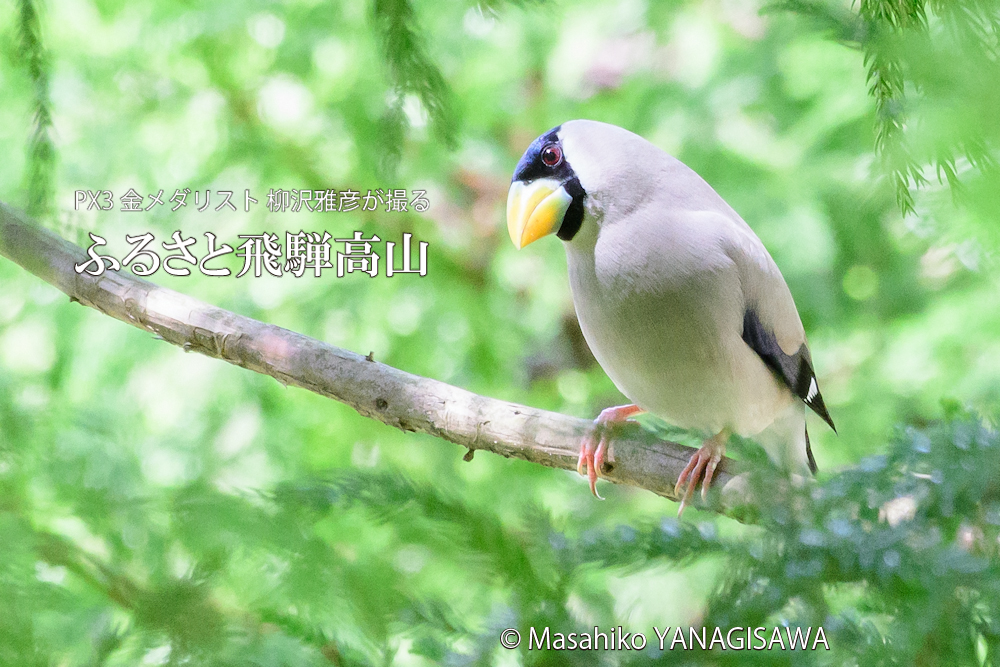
{"x":577,"y":168}
{"x":545,"y":193}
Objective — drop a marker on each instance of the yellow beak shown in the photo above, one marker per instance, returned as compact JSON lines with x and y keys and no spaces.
{"x":535,"y":209}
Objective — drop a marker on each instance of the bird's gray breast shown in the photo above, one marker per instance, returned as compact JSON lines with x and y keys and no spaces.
{"x":659,"y":307}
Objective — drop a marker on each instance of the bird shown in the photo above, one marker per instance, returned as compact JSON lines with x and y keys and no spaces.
{"x":680,"y":302}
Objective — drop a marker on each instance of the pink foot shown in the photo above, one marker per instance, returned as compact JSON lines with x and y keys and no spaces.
{"x":704,"y":461}
{"x":595,"y":445}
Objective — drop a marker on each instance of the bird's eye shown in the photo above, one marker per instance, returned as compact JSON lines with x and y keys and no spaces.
{"x":551,"y":155}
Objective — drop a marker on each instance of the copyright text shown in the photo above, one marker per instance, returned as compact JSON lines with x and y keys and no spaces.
{"x":671,"y":639}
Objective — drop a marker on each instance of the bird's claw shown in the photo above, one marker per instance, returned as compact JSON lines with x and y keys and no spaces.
{"x":595,"y":445}
{"x":592,"y":457}
{"x":702,"y":465}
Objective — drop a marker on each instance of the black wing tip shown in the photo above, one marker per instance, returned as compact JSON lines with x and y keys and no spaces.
{"x":795,"y":371}
{"x":817,"y":405}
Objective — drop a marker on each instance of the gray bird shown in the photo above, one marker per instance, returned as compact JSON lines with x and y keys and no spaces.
{"x":680,"y":302}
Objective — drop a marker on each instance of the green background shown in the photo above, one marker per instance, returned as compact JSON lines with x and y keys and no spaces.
{"x":158,"y":507}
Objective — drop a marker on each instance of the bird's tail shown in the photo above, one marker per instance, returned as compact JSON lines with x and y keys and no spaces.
{"x":786,"y":441}
{"x":809,"y":452}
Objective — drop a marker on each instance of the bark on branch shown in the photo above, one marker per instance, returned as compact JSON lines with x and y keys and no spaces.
{"x":389,"y":395}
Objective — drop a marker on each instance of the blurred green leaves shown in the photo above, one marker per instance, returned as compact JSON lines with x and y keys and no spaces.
{"x":41,"y":151}
{"x":162,"y":508}
{"x":411,"y":72}
{"x":922,"y":57}
{"x":897,"y":559}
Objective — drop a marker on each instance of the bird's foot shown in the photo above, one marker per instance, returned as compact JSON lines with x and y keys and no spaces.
{"x":595,"y":445}
{"x":702,"y":465}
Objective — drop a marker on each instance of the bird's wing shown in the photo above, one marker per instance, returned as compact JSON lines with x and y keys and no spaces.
{"x":795,"y":370}
{"x":771,"y":324}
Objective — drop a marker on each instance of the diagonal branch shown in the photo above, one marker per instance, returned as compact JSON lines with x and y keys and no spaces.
{"x":386,"y":394}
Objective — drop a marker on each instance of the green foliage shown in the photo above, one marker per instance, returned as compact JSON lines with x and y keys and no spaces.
{"x":41,"y":152}
{"x":158,"y":507}
{"x":896,"y":559}
{"x":411,"y":72}
{"x":938,"y":52}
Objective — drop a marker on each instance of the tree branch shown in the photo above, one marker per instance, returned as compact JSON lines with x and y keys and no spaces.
{"x":386,"y":394}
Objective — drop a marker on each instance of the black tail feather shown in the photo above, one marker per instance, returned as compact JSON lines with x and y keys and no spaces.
{"x":809,"y":453}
